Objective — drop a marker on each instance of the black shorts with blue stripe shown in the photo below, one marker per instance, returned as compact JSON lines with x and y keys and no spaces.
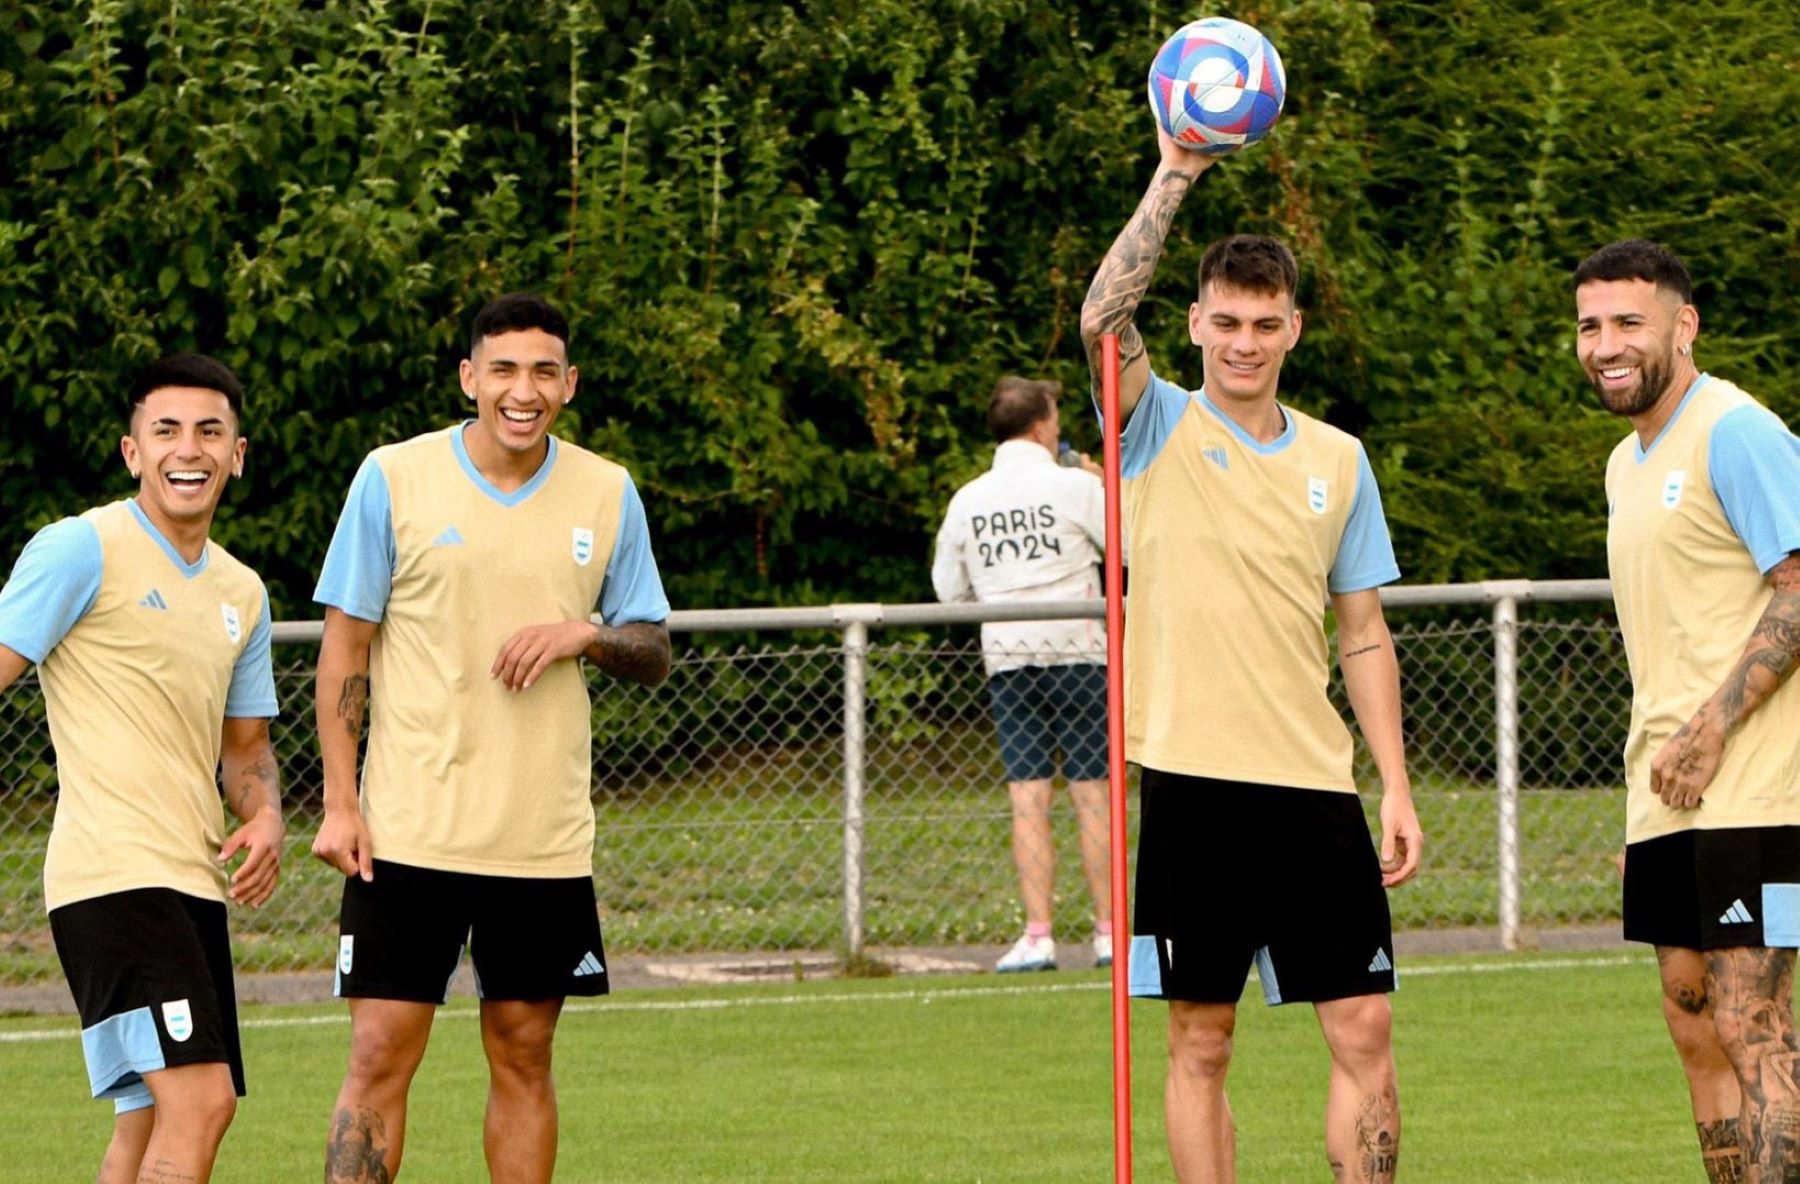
{"x":1231,"y":873}
{"x":1715,"y":889}
{"x":150,"y":969}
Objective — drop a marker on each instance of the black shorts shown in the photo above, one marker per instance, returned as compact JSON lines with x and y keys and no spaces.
{"x":1229,"y":873}
{"x":1039,"y":709}
{"x":1714,"y":889}
{"x":150,"y":970}
{"x":401,"y":935}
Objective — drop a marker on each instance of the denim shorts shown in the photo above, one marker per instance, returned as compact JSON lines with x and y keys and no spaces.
{"x":1040,"y":709}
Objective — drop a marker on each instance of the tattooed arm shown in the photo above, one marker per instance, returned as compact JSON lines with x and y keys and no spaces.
{"x":252,"y":786}
{"x":340,"y":702}
{"x":1686,"y":764}
{"x":1124,"y":274}
{"x":1372,"y":682}
{"x":637,"y":651}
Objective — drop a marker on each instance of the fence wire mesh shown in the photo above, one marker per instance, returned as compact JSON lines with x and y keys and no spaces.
{"x":720,"y":800}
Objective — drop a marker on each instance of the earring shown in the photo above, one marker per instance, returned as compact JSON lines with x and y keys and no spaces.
{"x":134,"y":473}
{"x":1686,"y":350}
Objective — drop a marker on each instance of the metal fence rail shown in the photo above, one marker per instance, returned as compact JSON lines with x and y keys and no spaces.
{"x":844,"y":790}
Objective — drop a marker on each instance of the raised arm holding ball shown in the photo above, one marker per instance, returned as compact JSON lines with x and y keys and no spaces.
{"x":1244,"y":515}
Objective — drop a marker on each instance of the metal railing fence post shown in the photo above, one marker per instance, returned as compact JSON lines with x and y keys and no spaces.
{"x":1506,"y":763}
{"x":856,"y":681}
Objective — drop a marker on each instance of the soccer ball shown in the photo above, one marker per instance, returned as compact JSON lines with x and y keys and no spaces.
{"x":1217,"y":85}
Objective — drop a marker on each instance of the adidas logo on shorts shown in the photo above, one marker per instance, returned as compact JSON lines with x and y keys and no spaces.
{"x":1381,"y":963}
{"x":589,"y":965}
{"x":1737,"y":914}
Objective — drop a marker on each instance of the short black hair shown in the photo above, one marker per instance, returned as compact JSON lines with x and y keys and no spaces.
{"x":1018,"y":403}
{"x":196,"y":370}
{"x":1638,"y":259}
{"x":516,"y":311}
{"x":1254,"y":262}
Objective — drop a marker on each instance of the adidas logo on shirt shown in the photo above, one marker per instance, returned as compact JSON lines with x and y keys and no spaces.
{"x":1381,"y":963}
{"x":154,"y":600}
{"x":1217,"y":456}
{"x":448,"y":537}
{"x":1737,"y":914}
{"x":589,"y":965}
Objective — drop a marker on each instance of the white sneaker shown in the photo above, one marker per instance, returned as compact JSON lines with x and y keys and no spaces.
{"x":1029,"y":953}
{"x":1102,"y":949}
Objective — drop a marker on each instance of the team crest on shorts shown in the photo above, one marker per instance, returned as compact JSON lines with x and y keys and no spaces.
{"x":1315,"y":493}
{"x":178,"y":1019}
{"x":230,"y":613}
{"x":584,"y":545}
{"x":1672,"y":486}
{"x":346,"y":953}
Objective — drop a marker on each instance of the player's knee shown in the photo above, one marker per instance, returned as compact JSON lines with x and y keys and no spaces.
{"x":200,"y":1115}
{"x":1200,"y":1050}
{"x":1693,"y":1032}
{"x":1360,"y":1031}
{"x":382,"y":1056}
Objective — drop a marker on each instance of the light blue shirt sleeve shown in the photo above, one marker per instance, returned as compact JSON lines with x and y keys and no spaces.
{"x":633,"y":588}
{"x":1151,"y":424}
{"x":1754,"y":464}
{"x":53,"y":585}
{"x":252,"y":691}
{"x":358,"y":574}
{"x":1365,"y":557}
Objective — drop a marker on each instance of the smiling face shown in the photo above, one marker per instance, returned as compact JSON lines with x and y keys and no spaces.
{"x":1632,"y":338}
{"x":520,"y":381}
{"x":183,"y":447}
{"x":1243,"y":335}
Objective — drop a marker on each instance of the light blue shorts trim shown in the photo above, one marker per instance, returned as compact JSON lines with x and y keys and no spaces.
{"x":119,"y":1050}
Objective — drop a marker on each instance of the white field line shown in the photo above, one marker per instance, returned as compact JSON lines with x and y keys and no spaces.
{"x":909,"y":995}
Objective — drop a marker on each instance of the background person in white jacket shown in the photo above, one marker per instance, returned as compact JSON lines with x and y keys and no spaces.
{"x":1030,"y":529}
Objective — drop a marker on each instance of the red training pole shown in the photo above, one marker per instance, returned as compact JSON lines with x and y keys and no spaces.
{"x":1115,"y":756}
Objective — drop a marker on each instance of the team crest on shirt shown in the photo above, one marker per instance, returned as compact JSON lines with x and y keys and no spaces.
{"x":584,"y":545}
{"x":230,"y":613}
{"x":1316,"y":488}
{"x":1672,"y":487}
{"x":178,"y":1019}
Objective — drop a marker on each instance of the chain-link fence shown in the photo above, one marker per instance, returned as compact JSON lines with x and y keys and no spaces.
{"x":748,"y":804}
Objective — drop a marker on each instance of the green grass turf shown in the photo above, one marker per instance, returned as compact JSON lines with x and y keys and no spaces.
{"x":1521,"y":1069}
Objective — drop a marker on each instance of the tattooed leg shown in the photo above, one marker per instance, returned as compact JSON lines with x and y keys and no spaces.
{"x":1362,"y":1107}
{"x":368,"y":1128}
{"x":1712,"y":1085}
{"x":1722,"y":1151}
{"x":1752,"y":990}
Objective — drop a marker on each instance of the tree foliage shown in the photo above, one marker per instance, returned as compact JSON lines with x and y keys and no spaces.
{"x":798,"y":242}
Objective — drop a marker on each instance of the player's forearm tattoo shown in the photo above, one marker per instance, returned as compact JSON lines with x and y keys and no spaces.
{"x":357,"y":1150}
{"x":1721,"y":1151}
{"x":258,"y":786}
{"x":1773,"y":652}
{"x":1125,"y":273}
{"x":635,"y":652}
{"x":352,"y":702}
{"x":1378,"y":1137}
{"x":1752,"y":990}
{"x":1362,"y":650}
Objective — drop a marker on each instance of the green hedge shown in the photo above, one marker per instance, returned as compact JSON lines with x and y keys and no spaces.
{"x":799,"y":241}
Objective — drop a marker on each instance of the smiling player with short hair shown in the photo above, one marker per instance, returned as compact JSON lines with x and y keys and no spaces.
{"x":152,"y":646}
{"x":1702,"y":535}
{"x":1242,"y":516}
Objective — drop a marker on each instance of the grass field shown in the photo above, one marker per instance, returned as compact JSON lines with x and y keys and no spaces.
{"x":1521,"y":1069}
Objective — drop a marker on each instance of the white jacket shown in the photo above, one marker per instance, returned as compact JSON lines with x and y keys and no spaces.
{"x":1027,"y":529}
